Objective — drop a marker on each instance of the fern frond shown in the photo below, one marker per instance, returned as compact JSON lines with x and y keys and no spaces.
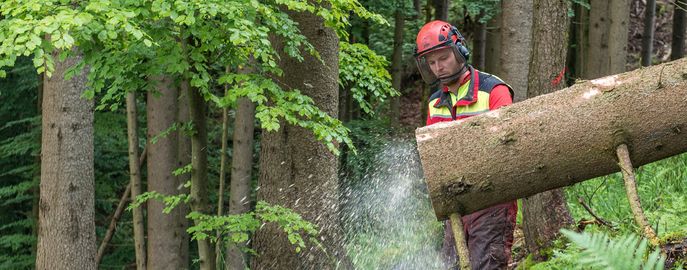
{"x":626,"y":252}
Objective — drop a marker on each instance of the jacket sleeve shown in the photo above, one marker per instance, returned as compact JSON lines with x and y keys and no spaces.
{"x":500,"y":96}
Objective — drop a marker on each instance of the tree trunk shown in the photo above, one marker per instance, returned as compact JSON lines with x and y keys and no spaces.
{"x":580,"y":38}
{"x":241,"y":174}
{"x":544,"y":214}
{"x":441,"y":10}
{"x":479,"y":50}
{"x":183,"y":159}
{"x":607,"y":37}
{"x":493,"y":49}
{"x":296,"y":170}
{"x":648,"y":36}
{"x":222,"y":176}
{"x":199,"y":173}
{"x":516,"y":36}
{"x":135,"y":178}
{"x":164,"y":238}
{"x":619,"y":29}
{"x":555,"y":140}
{"x":677,"y":46}
{"x":66,"y":232}
{"x":397,"y":65}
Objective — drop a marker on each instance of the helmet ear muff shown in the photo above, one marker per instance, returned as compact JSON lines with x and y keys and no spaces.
{"x":459,"y":43}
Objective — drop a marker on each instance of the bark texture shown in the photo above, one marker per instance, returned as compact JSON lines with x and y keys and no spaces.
{"x":544,"y":214}
{"x":164,"y":238}
{"x":516,"y":36}
{"x":608,"y":30}
{"x":479,"y":50}
{"x":296,"y":170}
{"x":555,"y":140}
{"x":66,"y":232}
{"x":441,"y":10}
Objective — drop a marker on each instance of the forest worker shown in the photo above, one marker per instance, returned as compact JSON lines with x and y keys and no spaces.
{"x":460,"y":91}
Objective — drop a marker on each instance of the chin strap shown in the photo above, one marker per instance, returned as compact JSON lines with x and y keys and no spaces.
{"x":447,"y":80}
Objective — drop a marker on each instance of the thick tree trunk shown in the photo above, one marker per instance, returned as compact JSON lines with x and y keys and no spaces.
{"x":544,"y":214}
{"x":648,"y":36}
{"x":493,"y":49}
{"x":164,"y":238}
{"x":677,"y":46}
{"x":555,"y":140}
{"x":397,"y":64}
{"x":135,"y":180}
{"x":66,"y":232}
{"x":241,"y":173}
{"x":619,"y":28}
{"x":199,"y":173}
{"x":296,"y":170}
{"x":516,"y":36}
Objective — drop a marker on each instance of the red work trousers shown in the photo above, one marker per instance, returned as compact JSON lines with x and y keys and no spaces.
{"x":489,"y":235}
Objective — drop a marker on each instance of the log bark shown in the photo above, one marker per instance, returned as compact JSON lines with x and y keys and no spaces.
{"x":555,"y":140}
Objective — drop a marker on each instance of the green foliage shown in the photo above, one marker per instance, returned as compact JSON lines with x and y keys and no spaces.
{"x":365,"y":73}
{"x":627,"y":252}
{"x":238,"y":227}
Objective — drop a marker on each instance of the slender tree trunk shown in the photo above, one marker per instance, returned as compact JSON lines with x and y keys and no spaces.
{"x":493,"y":49}
{"x":581,"y":39}
{"x":199,"y":173}
{"x":417,"y":6}
{"x":479,"y":49}
{"x":532,"y":139}
{"x":397,"y":64}
{"x":222,"y":175}
{"x":428,"y":10}
{"x":516,"y":36}
{"x":441,"y":10}
{"x":677,"y":46}
{"x":164,"y":237}
{"x":296,"y":170}
{"x":241,"y":172}
{"x":66,"y":232}
{"x":648,"y":36}
{"x":135,"y":180}
{"x":183,"y":159}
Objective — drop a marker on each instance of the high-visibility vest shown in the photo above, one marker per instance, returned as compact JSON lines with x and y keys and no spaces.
{"x":472,"y":98}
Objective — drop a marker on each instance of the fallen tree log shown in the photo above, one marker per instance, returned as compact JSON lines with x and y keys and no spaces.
{"x":555,"y":140}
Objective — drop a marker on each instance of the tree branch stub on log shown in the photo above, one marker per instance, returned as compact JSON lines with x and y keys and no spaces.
{"x":554,"y":140}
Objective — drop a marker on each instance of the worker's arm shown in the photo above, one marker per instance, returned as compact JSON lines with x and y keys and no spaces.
{"x":500,"y":96}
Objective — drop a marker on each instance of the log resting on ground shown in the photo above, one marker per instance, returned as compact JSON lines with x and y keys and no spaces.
{"x":555,"y":140}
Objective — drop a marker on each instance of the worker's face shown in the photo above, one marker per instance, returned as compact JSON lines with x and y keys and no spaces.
{"x":443,"y":62}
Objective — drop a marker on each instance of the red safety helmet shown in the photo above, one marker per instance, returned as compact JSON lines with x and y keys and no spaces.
{"x":437,"y":35}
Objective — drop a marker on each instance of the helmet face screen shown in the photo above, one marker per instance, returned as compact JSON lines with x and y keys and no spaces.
{"x":440,"y":64}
